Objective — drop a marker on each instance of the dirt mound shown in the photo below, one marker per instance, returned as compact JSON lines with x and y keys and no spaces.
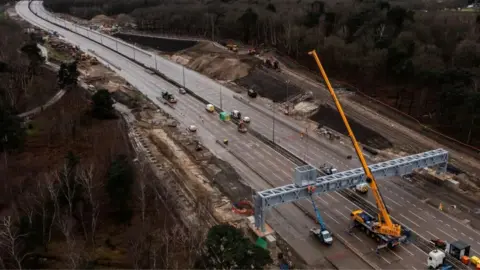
{"x":326,"y":116}
{"x":102,"y":19}
{"x":269,"y":84}
{"x":220,"y":67}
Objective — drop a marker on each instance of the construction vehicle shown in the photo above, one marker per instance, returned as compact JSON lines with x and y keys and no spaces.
{"x":321,"y":233}
{"x":210,"y":108}
{"x":328,"y":170}
{"x":382,"y":228}
{"x":362,"y":188}
{"x":232,"y":47}
{"x":236,"y":114}
{"x":457,"y":249}
{"x":242,"y":127}
{"x":169,"y":97}
{"x":436,"y":260}
{"x":252,"y":93}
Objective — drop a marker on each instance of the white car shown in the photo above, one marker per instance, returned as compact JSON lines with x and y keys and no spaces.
{"x":192,"y":128}
{"x":246,"y":119}
{"x":182,"y":90}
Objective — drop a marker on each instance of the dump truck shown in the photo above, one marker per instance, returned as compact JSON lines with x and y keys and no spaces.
{"x":168,"y":97}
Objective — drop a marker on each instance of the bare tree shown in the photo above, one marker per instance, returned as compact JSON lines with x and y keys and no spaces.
{"x":65,"y":224}
{"x":51,"y":182}
{"x":41,"y":200}
{"x":67,"y":180}
{"x":86,"y":180}
{"x":12,"y":241}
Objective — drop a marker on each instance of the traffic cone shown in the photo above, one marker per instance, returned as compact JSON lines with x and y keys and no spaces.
{"x":440,"y":207}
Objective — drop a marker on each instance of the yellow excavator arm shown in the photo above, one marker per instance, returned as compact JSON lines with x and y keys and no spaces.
{"x":386,"y":225}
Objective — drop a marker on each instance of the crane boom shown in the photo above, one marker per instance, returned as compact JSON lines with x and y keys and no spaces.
{"x":386,"y":225}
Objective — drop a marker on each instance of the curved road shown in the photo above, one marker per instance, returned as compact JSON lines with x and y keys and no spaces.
{"x":291,"y":223}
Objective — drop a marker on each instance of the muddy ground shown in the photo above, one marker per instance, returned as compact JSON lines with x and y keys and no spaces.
{"x":269,"y":84}
{"x":327,"y":116}
{"x":161,"y":44}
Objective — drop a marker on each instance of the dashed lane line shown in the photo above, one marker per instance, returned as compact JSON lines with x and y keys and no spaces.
{"x":411,"y":221}
{"x":419,"y":217}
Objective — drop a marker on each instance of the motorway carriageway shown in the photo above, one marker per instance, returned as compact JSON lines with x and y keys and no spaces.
{"x":151,"y":86}
{"x":398,"y":201}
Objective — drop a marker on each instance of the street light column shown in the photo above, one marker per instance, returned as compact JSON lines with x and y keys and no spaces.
{"x":273,"y":124}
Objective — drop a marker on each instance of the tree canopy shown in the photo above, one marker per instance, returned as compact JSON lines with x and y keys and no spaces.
{"x":102,"y":105}
{"x":227,"y":248}
{"x":12,"y":131}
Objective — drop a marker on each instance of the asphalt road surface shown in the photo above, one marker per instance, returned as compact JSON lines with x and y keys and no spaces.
{"x":426,"y":221}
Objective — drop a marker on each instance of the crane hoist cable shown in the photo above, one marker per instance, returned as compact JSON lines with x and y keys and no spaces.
{"x":386,"y":225}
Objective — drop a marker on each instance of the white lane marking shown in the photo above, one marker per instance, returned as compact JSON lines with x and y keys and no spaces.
{"x":446,"y":233}
{"x":325,"y":202}
{"x":336,"y":221}
{"x":343,"y":215}
{"x":411,"y":254}
{"x":455,"y":229}
{"x":328,"y":194}
{"x":409,"y":220}
{"x":419,"y":217}
{"x":408,"y":201}
{"x":385,"y":259}
{"x":419,"y":249}
{"x":347,"y":208}
{"x":358,"y":238}
{"x":448,"y":225}
{"x":392,"y":201}
{"x":441,"y":221}
{"x":420,"y":209}
{"x":414,"y":268}
{"x":471,"y":239}
{"x":273,"y":164}
{"x":436,"y":237}
{"x":396,"y":254}
{"x":463,"y":234}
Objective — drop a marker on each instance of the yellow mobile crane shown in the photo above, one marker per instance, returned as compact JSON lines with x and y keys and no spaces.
{"x":383,"y":229}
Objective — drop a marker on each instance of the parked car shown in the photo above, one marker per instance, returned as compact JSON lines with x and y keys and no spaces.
{"x":192,"y":128}
{"x":182,"y":90}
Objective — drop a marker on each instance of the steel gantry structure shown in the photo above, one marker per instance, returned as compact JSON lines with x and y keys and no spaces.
{"x":307,"y":175}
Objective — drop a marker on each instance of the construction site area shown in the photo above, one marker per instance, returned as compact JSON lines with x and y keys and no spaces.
{"x":270,"y":152}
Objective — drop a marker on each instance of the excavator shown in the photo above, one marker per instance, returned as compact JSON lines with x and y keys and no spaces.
{"x":321,"y":233}
{"x":382,"y":228}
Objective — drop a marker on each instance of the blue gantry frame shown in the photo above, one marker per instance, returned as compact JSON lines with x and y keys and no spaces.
{"x":307,"y":175}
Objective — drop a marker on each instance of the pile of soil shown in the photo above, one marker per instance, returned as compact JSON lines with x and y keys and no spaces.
{"x":269,"y":84}
{"x":161,"y":44}
{"x":102,"y":19}
{"x":326,"y":116}
{"x":216,"y":62}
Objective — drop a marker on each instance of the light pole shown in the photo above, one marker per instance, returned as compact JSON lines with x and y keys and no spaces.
{"x":286,"y":98}
{"x":183,"y":74}
{"x":273,"y":122}
{"x":221,"y":101}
